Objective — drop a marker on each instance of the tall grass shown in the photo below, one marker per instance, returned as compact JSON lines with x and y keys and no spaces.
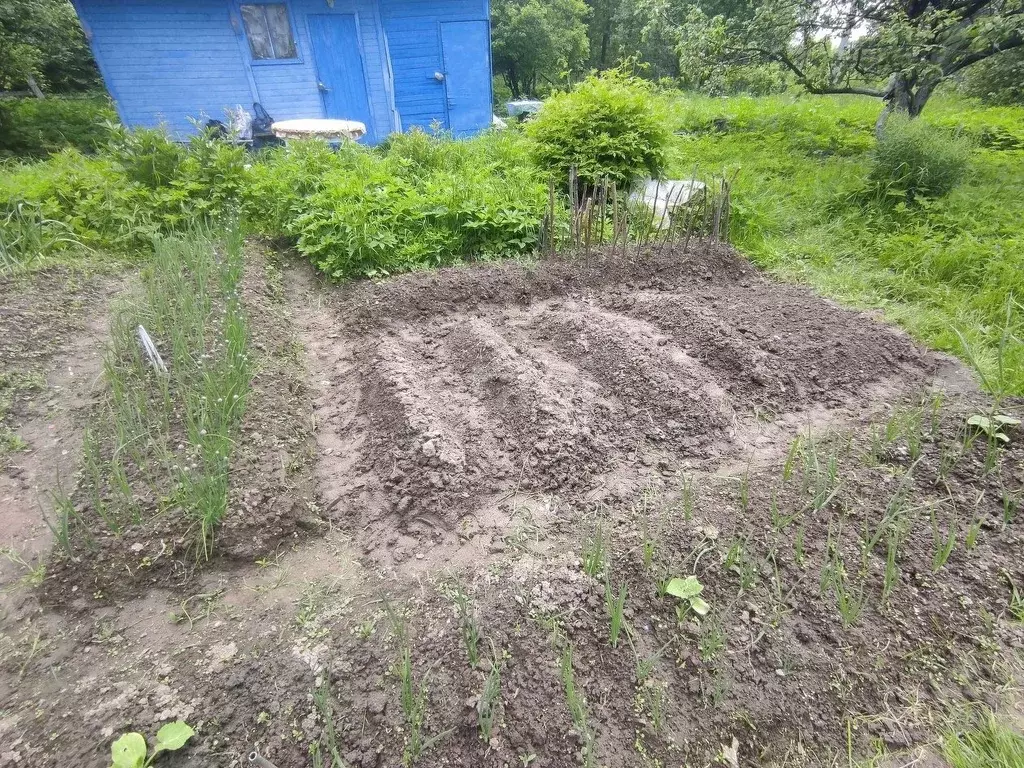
{"x":171,"y":435}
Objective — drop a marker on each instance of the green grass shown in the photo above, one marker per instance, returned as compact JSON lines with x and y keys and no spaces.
{"x":988,"y":744}
{"x":947,"y":270}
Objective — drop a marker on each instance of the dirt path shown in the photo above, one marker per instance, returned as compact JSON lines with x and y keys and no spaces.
{"x":54,"y":331}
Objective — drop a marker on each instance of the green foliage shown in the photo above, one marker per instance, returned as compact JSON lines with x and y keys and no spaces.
{"x":171,"y":435}
{"x":688,"y":590}
{"x":988,"y":743}
{"x":997,"y":80}
{"x":424,"y":202}
{"x":141,"y":185}
{"x":532,"y":39}
{"x":914,"y":159}
{"x":130,"y":750}
{"x":39,"y":127}
{"x":41,"y":43}
{"x":610,"y":126}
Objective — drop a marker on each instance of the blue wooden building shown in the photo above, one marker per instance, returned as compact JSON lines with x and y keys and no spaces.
{"x":392,"y":64}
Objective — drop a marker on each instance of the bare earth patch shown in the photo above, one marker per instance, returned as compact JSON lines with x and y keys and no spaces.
{"x":528,"y":440}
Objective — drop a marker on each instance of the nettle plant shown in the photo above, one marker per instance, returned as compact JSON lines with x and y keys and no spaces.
{"x":131,"y":750}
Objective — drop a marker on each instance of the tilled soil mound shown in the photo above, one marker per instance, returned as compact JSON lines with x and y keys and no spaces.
{"x":457,"y":387}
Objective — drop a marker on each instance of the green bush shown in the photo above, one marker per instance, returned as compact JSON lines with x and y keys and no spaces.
{"x":421,"y":201}
{"x":141,"y":185}
{"x":997,"y":80}
{"x":610,"y":126}
{"x":915,"y":159}
{"x":40,"y":127}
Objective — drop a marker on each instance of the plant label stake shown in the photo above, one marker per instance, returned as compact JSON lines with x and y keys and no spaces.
{"x":151,"y":352}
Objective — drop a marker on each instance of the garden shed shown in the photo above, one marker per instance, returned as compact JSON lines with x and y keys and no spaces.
{"x":392,"y":64}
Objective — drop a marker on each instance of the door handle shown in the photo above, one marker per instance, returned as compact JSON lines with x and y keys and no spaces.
{"x":439,"y":76}
{"x":323,"y":88}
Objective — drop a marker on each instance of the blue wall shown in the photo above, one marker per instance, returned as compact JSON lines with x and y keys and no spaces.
{"x":414,"y":41}
{"x":165,"y":61}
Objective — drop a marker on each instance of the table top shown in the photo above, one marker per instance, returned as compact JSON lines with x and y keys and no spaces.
{"x":318,"y":127}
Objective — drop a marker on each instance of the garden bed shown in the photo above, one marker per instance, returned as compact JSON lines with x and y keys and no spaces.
{"x":489,"y":476}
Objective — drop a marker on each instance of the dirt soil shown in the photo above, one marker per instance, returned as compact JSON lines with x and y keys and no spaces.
{"x":528,"y":439}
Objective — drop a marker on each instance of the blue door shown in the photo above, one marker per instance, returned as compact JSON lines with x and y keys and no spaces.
{"x":339,"y":67}
{"x":466,"y":48}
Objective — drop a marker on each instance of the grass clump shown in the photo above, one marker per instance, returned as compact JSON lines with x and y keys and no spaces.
{"x":914,"y":159}
{"x":987,"y":744}
{"x":610,"y":126}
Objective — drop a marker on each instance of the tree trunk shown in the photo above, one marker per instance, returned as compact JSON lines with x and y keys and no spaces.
{"x":906,"y":95}
{"x":34,"y":87}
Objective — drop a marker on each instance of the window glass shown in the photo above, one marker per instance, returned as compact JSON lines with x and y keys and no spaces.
{"x":280,"y":31}
{"x":269,"y":31}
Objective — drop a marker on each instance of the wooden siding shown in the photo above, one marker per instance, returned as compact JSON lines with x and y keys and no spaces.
{"x":414,"y":42}
{"x":166,"y":61}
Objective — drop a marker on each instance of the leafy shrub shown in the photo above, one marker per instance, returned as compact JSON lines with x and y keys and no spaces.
{"x":915,"y":159}
{"x":997,"y":80}
{"x":41,"y":127}
{"x":421,"y":201}
{"x":282,"y":178}
{"x":143,"y":184}
{"x":609,"y":126}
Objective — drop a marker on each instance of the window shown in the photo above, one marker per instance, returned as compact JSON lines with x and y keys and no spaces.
{"x":269,"y":31}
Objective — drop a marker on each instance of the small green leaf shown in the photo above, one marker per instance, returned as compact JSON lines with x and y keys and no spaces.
{"x":1007,"y":421}
{"x":686,"y":588}
{"x":699,"y":606}
{"x":129,"y":751}
{"x":173,"y":736}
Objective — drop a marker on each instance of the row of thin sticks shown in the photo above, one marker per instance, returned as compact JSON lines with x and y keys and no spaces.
{"x":600,"y":216}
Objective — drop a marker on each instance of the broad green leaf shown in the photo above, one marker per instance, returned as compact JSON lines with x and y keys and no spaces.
{"x":699,"y":606}
{"x":173,"y":736}
{"x":981,"y":422}
{"x":129,"y":751}
{"x":686,"y":588}
{"x":1007,"y":421}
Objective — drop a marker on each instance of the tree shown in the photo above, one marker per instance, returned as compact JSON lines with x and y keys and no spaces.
{"x":42,"y":45}
{"x":896,"y":50}
{"x":537,"y":39}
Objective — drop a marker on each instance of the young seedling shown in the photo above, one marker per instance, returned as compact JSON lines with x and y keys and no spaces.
{"x":322,"y":700}
{"x":577,"y":707}
{"x":414,"y":708}
{"x":468,"y":626}
{"x":744,"y":484}
{"x":689,"y":497}
{"x":615,"y":605}
{"x":798,"y":546}
{"x":688,"y":591}
{"x":594,"y":552}
{"x":739,"y":562}
{"x":131,"y":750}
{"x":942,"y":545}
{"x":712,"y":638}
{"x":892,"y":572}
{"x":791,"y":457}
{"x":487,"y":706}
{"x":1016,"y":602}
{"x":1011,"y":505}
{"x":971,"y":537}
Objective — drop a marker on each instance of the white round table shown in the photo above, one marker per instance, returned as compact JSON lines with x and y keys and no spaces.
{"x":328,"y":130}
